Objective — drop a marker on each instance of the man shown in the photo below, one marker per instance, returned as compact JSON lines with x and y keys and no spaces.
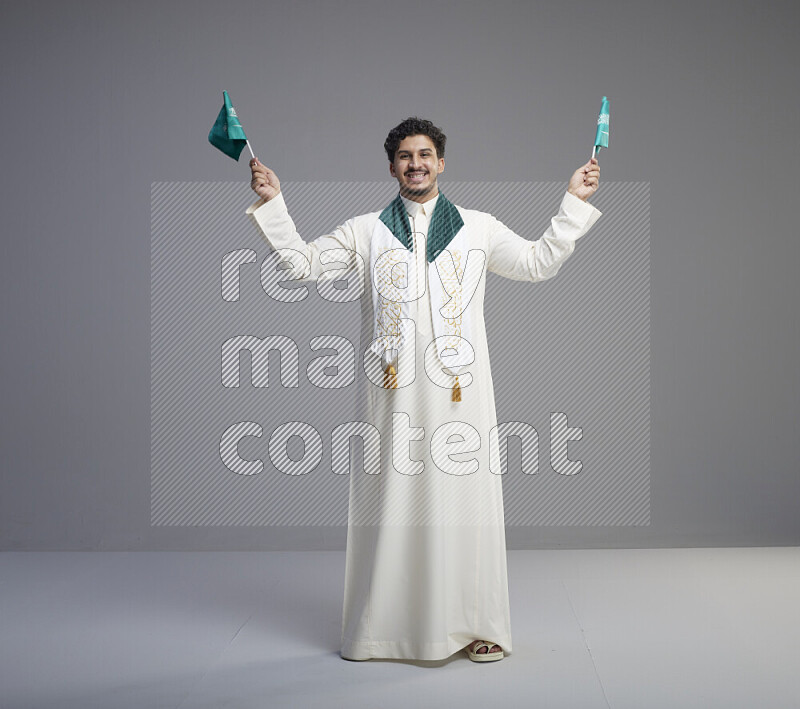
{"x":425,"y":568}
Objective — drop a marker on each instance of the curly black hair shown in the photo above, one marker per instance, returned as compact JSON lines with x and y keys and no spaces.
{"x":414,"y":126}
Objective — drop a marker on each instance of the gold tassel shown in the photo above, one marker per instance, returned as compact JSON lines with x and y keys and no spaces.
{"x":390,"y":377}
{"x":456,"y":390}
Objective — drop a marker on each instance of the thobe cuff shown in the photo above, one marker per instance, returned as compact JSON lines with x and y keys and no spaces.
{"x":255,"y":211}
{"x":580,"y":214}
{"x":270,"y":216}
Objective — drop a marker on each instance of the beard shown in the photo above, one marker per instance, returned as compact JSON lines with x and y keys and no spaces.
{"x":419,"y":191}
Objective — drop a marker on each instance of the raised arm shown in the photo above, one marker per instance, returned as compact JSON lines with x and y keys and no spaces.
{"x":520,"y":259}
{"x":271,"y":218}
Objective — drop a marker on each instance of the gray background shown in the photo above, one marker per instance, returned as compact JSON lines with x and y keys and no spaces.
{"x":102,"y":99}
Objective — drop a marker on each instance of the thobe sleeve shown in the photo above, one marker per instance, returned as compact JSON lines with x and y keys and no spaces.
{"x":276,"y":227}
{"x":520,"y":259}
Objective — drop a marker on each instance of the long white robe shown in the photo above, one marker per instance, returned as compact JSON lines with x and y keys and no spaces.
{"x":426,"y":557}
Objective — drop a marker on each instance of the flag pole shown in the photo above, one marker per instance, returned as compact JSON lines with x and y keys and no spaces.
{"x":251,"y":150}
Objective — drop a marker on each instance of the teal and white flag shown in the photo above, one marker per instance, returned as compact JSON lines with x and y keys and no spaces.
{"x":227,"y":133}
{"x":603,"y":118}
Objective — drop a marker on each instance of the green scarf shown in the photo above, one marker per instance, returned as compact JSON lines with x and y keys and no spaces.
{"x":445,"y":224}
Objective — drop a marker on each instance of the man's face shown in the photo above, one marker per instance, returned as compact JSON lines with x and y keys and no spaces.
{"x":416,"y":168}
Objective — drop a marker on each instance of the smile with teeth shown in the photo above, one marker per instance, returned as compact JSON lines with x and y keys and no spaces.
{"x":416,"y":176}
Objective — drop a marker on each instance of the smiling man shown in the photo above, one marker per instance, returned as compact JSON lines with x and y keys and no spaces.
{"x":417,"y":163}
{"x":425,"y":570}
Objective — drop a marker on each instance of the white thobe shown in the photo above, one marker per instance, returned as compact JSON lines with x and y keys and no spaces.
{"x":425,"y":570}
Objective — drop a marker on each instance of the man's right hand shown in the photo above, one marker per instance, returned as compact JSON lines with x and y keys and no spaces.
{"x":264,"y":183}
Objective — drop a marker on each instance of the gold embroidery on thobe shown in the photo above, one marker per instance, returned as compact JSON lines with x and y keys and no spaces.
{"x":452,"y":275}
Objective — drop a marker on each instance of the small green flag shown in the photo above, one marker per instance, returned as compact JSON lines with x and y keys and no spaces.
{"x":227,"y":133}
{"x":603,"y":118}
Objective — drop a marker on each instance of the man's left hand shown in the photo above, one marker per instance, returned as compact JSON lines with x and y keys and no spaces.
{"x":584,"y":181}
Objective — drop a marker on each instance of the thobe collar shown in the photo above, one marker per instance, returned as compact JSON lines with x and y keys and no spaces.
{"x":445,"y":222}
{"x":414,"y":208}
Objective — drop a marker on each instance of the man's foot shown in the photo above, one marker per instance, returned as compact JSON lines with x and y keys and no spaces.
{"x":479,"y":648}
{"x":494,"y":648}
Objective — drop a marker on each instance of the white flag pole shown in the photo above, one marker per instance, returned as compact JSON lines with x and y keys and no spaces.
{"x":249,"y":148}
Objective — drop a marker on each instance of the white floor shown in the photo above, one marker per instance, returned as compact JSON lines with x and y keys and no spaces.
{"x":631,"y":628}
